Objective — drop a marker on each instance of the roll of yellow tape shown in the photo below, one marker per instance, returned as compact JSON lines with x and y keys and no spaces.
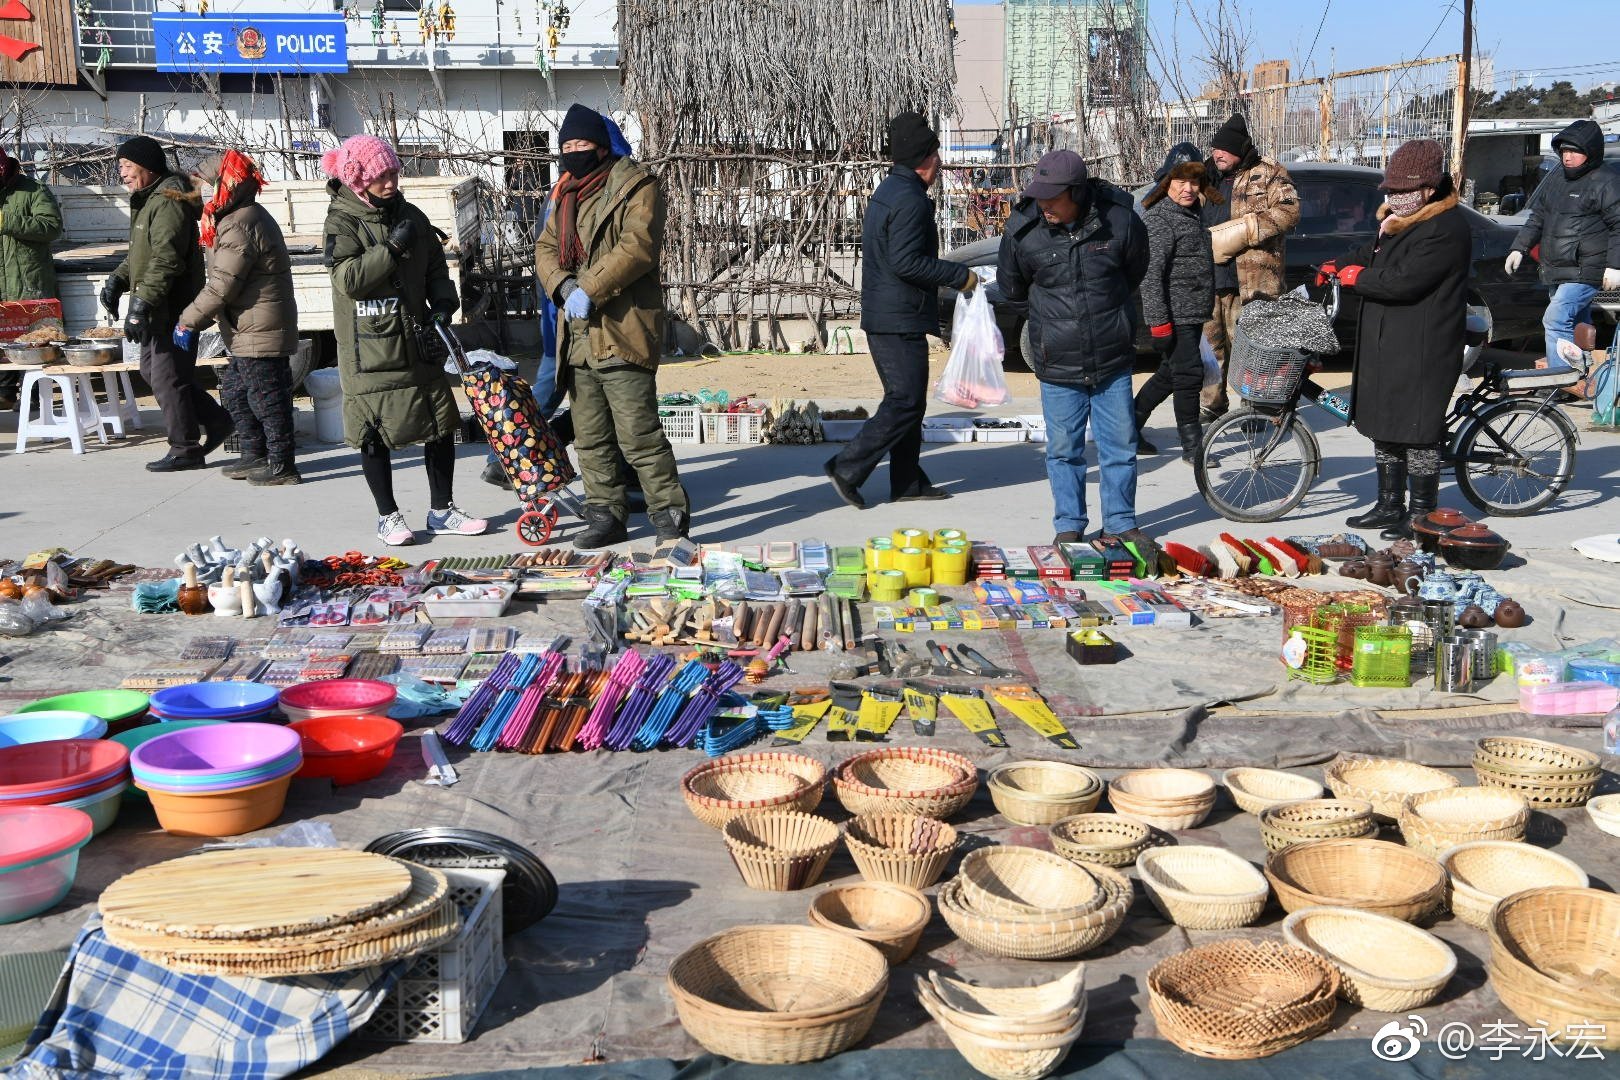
{"x":950,"y":577}
{"x":887,"y":586}
{"x":924,"y":598}
{"x":904,"y":538}
{"x":942,"y":537}
{"x":950,"y":560}
{"x":914,"y":561}
{"x":880,"y":558}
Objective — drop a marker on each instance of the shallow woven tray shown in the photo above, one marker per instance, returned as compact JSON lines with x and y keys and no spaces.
{"x":1026,"y":882}
{"x":1316,"y":819}
{"x":1014,"y":1004}
{"x":1383,"y":782}
{"x":780,"y":850}
{"x":1545,"y":773}
{"x":1605,"y":813}
{"x":1433,"y":821}
{"x":717,"y":791}
{"x":1255,"y":789}
{"x":1202,"y":888}
{"x":1239,"y":999}
{"x":890,"y":917}
{"x":1370,"y":875}
{"x":1043,"y":792}
{"x":1019,"y":1031}
{"x":1383,"y":963}
{"x":1555,"y":960}
{"x":1100,"y":839}
{"x":904,"y":849}
{"x":1481,"y":872}
{"x":1004,"y":1057}
{"x":1048,"y":941}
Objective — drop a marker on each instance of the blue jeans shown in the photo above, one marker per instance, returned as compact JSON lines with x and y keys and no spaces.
{"x":1109,"y":408}
{"x":1568,"y":305}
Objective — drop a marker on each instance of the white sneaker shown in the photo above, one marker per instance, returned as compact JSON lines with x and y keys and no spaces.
{"x":393,"y":531}
{"x":455,"y":523}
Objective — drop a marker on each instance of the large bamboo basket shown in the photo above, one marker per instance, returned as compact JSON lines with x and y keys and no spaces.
{"x":1545,"y":773}
{"x":1027,"y":883}
{"x":1384,"y":964}
{"x":904,"y":849}
{"x":1370,"y":875}
{"x":780,"y":850}
{"x":719,"y":790}
{"x":1203,"y":888}
{"x":1043,"y":792}
{"x":1035,"y":1003}
{"x":1383,"y":782}
{"x":1005,"y":1057}
{"x":1555,"y":960}
{"x":1169,"y":799}
{"x":1255,"y":789}
{"x":906,"y":780}
{"x":1482,"y":872}
{"x":1237,"y":1000}
{"x":1433,"y":821}
{"x":1056,"y":940}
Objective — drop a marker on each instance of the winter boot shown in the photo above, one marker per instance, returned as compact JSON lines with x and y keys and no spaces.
{"x":1425,"y":491}
{"x":495,"y":473}
{"x":1390,"y":509}
{"x":601,"y":529}
{"x":243,"y":466}
{"x":275,"y":474}
{"x":1142,"y":445}
{"x":1192,"y":441}
{"x":671,"y":522}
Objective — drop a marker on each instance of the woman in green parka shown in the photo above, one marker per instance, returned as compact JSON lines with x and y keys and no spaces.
{"x":389,"y":284}
{"x":30,"y":221}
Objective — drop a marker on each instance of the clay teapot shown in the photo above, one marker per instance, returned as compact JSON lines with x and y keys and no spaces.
{"x":192,"y":596}
{"x":1510,"y":613}
{"x":1355,"y":568}
{"x":1474,"y":617}
{"x":1407,"y":576}
{"x":1381,"y":569}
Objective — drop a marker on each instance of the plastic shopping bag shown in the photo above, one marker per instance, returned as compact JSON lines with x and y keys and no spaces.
{"x":1212,"y":363}
{"x":1605,"y":384}
{"x":973,"y":377}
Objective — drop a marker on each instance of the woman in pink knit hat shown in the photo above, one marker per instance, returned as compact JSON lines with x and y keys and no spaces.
{"x":389,"y":282}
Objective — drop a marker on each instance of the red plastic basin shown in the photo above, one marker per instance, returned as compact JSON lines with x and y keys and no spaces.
{"x":347,"y":696}
{"x":38,"y":767}
{"x":347,"y":749}
{"x":31,"y":833}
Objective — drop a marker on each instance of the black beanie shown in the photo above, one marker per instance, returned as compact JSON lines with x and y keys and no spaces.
{"x":146,"y":152}
{"x":583,"y":123}
{"x":1233,"y":137}
{"x":911,"y":139}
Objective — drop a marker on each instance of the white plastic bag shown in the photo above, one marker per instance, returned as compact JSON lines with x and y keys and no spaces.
{"x":1212,"y":363}
{"x":972,"y":378}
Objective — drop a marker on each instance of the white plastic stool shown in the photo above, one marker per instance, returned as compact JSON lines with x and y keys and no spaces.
{"x":121,"y":411}
{"x":39,"y":416}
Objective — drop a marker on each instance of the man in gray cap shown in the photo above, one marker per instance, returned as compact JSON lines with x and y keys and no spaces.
{"x":1074,"y":249}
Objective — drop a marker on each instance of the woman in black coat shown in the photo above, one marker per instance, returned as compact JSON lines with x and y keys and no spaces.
{"x":1412,"y":284}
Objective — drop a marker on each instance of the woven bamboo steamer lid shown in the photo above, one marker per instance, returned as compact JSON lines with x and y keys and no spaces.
{"x":256,"y":892}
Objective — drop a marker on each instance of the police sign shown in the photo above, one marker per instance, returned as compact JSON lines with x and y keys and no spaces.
{"x":251,"y":42}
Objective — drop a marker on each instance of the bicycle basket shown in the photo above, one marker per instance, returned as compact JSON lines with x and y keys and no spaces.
{"x":1266,"y":376}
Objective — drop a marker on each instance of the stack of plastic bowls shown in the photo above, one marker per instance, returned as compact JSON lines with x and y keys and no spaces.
{"x":120,"y":708}
{"x":135,"y":736}
{"x":42,"y":726}
{"x":79,"y":774}
{"x":232,"y":701}
{"x":337,"y":697}
{"x":220,"y":780}
{"x":39,"y":857}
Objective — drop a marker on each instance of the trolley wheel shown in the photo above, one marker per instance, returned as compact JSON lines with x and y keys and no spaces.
{"x":534,"y":527}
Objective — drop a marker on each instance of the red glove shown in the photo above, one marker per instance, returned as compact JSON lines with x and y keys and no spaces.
{"x":1329,"y":267}
{"x":1535,"y":252}
{"x":1348,"y":276}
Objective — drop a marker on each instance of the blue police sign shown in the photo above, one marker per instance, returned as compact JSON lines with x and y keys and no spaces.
{"x":250,"y":42}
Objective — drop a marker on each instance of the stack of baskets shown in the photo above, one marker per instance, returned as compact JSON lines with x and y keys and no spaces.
{"x":1202,"y":888}
{"x":1316,"y":819}
{"x":1383,"y":782}
{"x":906,"y":780}
{"x":1009,"y":1033}
{"x":1169,"y":799}
{"x":1484,"y":871}
{"x":889,"y":917}
{"x":1033,"y":905}
{"x":1605,"y":813}
{"x":1253,"y":790}
{"x":1433,"y":821}
{"x":1545,"y":773}
{"x":1043,"y":792}
{"x":1383,"y":963}
{"x":1100,"y":839}
{"x":1370,"y":875}
{"x":1554,"y":957}
{"x":719,"y":790}
{"x":903,"y":849}
{"x":780,"y":850}
{"x":1239,"y":1000}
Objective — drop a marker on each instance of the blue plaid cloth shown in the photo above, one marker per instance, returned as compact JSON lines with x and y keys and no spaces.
{"x":114,"y":1014}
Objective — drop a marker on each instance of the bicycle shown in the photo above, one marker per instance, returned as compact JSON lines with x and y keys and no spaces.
{"x":1509,"y":445}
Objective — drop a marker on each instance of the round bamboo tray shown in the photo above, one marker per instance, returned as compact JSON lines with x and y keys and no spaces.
{"x":1433,"y":821}
{"x":1555,"y":960}
{"x":1255,"y":789}
{"x":1316,"y":819}
{"x":719,"y":790}
{"x":890,"y":917}
{"x":1605,"y":813}
{"x":778,"y":995}
{"x":1383,"y":782}
{"x":1056,"y":940}
{"x":906,"y":780}
{"x":1005,"y":1058}
{"x":1369,"y":875}
{"x":1043,"y":792}
{"x":1001,"y":1027}
{"x":1481,"y":872}
{"x":1384,"y":964}
{"x":903,"y":849}
{"x":1545,"y":773}
{"x":1238,"y":1000}
{"x":780,"y":850}
{"x":1013,"y":1004}
{"x":1100,"y":839}
{"x":1169,"y":799}
{"x":1202,"y":888}
{"x":1027,"y":883}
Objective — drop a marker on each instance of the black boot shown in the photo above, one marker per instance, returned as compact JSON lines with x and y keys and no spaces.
{"x":242,"y":466}
{"x":1390,"y":509}
{"x":1142,"y":445}
{"x":1192,"y":441}
{"x":1425,"y":497}
{"x":275,"y":474}
{"x":495,"y":473}
{"x":601,"y":529}
{"x":671,"y":523}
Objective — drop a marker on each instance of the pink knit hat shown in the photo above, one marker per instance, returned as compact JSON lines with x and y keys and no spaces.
{"x":359,"y":161}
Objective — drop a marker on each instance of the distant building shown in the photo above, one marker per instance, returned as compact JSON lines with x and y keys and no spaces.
{"x":1064,"y":55}
{"x":981,"y":74}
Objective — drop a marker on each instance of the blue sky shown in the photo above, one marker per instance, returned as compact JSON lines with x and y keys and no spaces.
{"x":1546,"y":37}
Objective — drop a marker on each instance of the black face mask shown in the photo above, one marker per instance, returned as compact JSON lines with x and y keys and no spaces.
{"x":579,"y":163}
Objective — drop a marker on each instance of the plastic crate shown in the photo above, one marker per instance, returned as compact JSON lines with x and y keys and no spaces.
{"x":1000,"y":435}
{"x":947,"y":429}
{"x":681,"y":423}
{"x":841,"y":430}
{"x":441,"y":996}
{"x":734,"y":428}
{"x":1034,"y":426}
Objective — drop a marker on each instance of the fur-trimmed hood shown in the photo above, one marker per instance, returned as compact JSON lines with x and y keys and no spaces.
{"x":1395,"y":226}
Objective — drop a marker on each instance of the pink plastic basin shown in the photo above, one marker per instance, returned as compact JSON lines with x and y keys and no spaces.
{"x":345,"y":696}
{"x":37,"y":768}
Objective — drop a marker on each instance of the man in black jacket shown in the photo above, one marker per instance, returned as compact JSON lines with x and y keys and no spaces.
{"x":1075,"y":249}
{"x":901,"y":273}
{"x":1575,"y":217}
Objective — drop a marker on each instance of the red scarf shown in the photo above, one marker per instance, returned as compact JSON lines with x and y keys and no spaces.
{"x":569,"y":192}
{"x":234,"y":169}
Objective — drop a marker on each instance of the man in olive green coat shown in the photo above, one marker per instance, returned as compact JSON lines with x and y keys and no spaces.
{"x":30,"y":221}
{"x":598,"y":259}
{"x":163,"y":272}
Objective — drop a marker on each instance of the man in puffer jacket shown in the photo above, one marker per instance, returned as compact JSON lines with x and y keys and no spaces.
{"x":1575,"y":217}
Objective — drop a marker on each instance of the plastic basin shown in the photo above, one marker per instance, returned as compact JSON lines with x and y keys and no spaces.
{"x":337,"y":697}
{"x":235,"y":718}
{"x":112,"y":706}
{"x":283,"y":766}
{"x":59,"y":766}
{"x":39,"y":857}
{"x":147,"y":732}
{"x":44,"y":725}
{"x":214,"y":700}
{"x":217,"y":750}
{"x":224,"y":813}
{"x":103,"y":806}
{"x":347,"y":749}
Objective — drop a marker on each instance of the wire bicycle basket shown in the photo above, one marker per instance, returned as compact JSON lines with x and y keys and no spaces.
{"x":1275,"y":342}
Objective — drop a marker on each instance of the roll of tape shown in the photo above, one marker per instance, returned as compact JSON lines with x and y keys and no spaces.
{"x":950,"y":577}
{"x":887,"y":586}
{"x":950,"y":560}
{"x":880,"y":558}
{"x":904,"y":538}
{"x":924,"y":598}
{"x":942,"y":537}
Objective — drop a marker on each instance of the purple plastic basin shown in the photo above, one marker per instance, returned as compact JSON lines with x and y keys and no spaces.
{"x":286,"y":769}
{"x":218,"y":748}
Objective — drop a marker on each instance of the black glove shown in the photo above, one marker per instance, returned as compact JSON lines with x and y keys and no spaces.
{"x":401,"y":238}
{"x":1164,"y":338}
{"x":441,"y":310}
{"x":138,"y":323}
{"x":111,"y":292}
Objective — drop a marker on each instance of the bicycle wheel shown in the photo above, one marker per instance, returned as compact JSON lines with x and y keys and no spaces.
{"x":1515,"y":458}
{"x":1254,"y":468}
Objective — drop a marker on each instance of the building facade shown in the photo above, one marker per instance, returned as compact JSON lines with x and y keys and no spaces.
{"x":1065,"y":56}
{"x":981,"y":75}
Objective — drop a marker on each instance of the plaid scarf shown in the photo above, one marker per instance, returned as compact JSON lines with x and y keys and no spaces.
{"x":571,"y":190}
{"x":235,"y":172}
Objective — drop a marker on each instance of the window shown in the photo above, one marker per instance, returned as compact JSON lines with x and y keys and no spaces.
{"x":420,"y":159}
{"x":1338,"y":207}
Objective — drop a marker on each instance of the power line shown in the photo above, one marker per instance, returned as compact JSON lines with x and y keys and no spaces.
{"x":1312,"y":50}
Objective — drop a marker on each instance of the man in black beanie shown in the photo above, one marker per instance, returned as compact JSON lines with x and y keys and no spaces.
{"x":163,"y":273}
{"x":1246,"y":228}
{"x":900,"y":274}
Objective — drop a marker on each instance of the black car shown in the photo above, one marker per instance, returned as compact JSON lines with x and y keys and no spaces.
{"x":1338,"y":212}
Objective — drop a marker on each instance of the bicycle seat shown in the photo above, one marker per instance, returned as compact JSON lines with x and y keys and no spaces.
{"x":1518,"y":370}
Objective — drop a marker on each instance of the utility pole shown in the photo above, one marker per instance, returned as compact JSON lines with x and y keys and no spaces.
{"x":1465,"y":94}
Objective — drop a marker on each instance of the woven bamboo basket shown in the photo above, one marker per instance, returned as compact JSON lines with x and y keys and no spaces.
{"x":1555,"y":960}
{"x":1316,"y":819}
{"x":906,"y":780}
{"x":778,"y":995}
{"x":904,"y":849}
{"x":1027,"y":883}
{"x":1384,"y":964}
{"x":1255,"y":789}
{"x":1433,"y":821}
{"x":1605,"y":813}
{"x":1043,"y":792}
{"x":1481,"y":872}
{"x":890,"y":917}
{"x":1169,"y":799}
{"x":1001,"y":1027}
{"x":1369,"y":875}
{"x":1056,"y":940}
{"x":1545,"y":773}
{"x":1100,"y":839}
{"x":1012,"y":1004}
{"x":1005,"y":1057}
{"x":717,"y":791}
{"x":780,"y":850}
{"x":1383,"y":782}
{"x":1238,"y":1000}
{"x":1202,"y":888}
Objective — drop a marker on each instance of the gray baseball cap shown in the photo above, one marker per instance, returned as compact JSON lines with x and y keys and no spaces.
{"x":1057,"y":171}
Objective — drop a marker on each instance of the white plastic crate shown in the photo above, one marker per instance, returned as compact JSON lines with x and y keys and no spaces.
{"x":947,"y":429}
{"x":1000,"y":435}
{"x":841,"y":430}
{"x":734,"y":428}
{"x":1034,"y":426}
{"x":441,"y":996}
{"x":681,"y":423}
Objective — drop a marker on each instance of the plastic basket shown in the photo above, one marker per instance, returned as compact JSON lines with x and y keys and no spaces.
{"x":440,"y":998}
{"x":1266,"y":376}
{"x":681,"y":423}
{"x":1383,"y":656}
{"x":1000,"y":435}
{"x":942,"y":429}
{"x":734,"y":428}
{"x":1035,"y":425}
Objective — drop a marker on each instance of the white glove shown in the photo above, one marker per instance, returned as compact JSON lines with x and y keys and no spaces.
{"x":1513,"y":260}
{"x":1611,"y":279}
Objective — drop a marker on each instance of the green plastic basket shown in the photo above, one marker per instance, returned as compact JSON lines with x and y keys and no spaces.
{"x":1383,"y":656}
{"x":1320,"y":661}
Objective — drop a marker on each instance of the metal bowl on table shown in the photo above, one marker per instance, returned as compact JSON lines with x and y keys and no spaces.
{"x":29,"y":354}
{"x":93,"y":352}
